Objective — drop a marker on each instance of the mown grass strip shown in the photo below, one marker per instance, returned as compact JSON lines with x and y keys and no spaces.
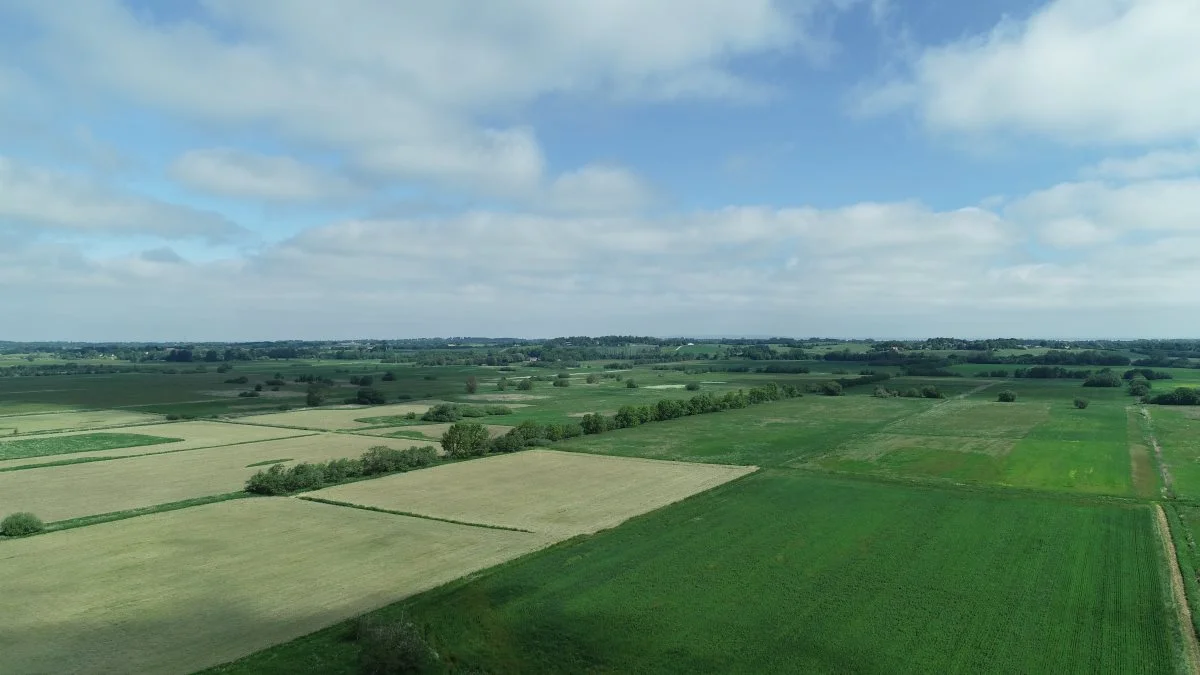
{"x":334,"y":502}
{"x":84,"y":460}
{"x":269,"y":462}
{"x":84,"y":521}
{"x":23,"y":448}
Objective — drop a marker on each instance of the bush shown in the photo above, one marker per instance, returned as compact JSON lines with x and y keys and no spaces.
{"x":1104,"y":378}
{"x":564,"y":376}
{"x":693,"y":386}
{"x":525,"y":385}
{"x":1139,"y":388}
{"x":630,"y":384}
{"x":1081,"y":403}
{"x":1007,"y":396}
{"x":370,"y":396}
{"x":443,"y":412}
{"x":1181,"y":396}
{"x":238,"y":380}
{"x":930,"y":391}
{"x":21,"y":524}
{"x":593,"y":378}
{"x":472,"y":384}
{"x":562,"y":383}
{"x":389,"y":376}
{"x":465,"y":439}
{"x":830,"y":388}
{"x":249,"y":394}
{"x":393,"y":649}
{"x":594,"y":423}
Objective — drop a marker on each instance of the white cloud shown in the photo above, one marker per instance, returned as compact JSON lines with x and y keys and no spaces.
{"x":45,"y":199}
{"x":1156,"y":164}
{"x":405,"y":97}
{"x":1103,"y":71}
{"x":236,"y":173}
{"x":599,"y":189}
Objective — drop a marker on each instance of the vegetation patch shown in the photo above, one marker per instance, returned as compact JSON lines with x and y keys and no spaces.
{"x":63,"y":445}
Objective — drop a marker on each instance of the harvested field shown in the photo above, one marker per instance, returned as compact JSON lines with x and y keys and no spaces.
{"x":180,"y":591}
{"x":194,"y":434}
{"x":332,"y":419}
{"x":76,"y":490}
{"x":558,"y":493}
{"x":431,"y":431}
{"x":89,"y":419}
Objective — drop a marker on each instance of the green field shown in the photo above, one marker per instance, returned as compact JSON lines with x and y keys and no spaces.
{"x":61,"y":445}
{"x":786,"y":572}
{"x":1178,"y":433}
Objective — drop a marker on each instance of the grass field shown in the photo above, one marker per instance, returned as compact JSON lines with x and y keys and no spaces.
{"x":76,"y":490}
{"x":187,"y":435}
{"x":558,"y":493}
{"x":57,"y":421}
{"x":787,"y":572}
{"x":769,"y":435}
{"x":1178,"y":434}
{"x":179,"y":591}
{"x":39,"y":446}
{"x":333,"y":419}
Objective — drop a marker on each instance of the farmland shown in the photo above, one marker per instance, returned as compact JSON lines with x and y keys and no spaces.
{"x":926,"y":532}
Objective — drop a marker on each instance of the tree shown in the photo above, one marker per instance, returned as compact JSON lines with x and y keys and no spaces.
{"x":389,"y":376}
{"x":830,"y":388}
{"x":593,"y":423}
{"x":465,"y":439}
{"x":1007,"y":396}
{"x":562,"y":383}
{"x":370,"y":396}
{"x":502,"y":384}
{"x":525,"y":385}
{"x":1139,"y":388}
{"x":630,"y":384}
{"x":21,"y":524}
{"x":1081,"y":403}
{"x":1104,"y":378}
{"x":593,"y":378}
{"x":472,"y":384}
{"x":693,"y":386}
{"x":315,"y":397}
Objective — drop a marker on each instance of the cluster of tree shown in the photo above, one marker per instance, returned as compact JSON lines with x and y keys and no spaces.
{"x":453,"y":412}
{"x":1104,"y":378}
{"x":281,"y":480}
{"x":362,"y":380}
{"x":1090,"y":357}
{"x":929,"y":370}
{"x":1146,"y":374}
{"x":1180,"y":396}
{"x":928,"y":391}
{"x":1051,"y":373}
{"x":865,"y":377}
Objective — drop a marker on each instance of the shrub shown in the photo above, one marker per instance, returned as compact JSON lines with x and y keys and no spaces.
{"x":465,"y":439}
{"x":275,"y":382}
{"x":930,"y":391}
{"x":497,"y":410}
{"x":525,"y":385}
{"x":369,"y":396}
{"x":502,"y":384}
{"x":258,"y":387}
{"x":593,"y":378}
{"x":238,"y":380}
{"x":21,"y":524}
{"x":389,"y":376}
{"x":1181,"y":396}
{"x":472,"y":384}
{"x":594,"y":423}
{"x":564,"y":376}
{"x":1007,"y":396}
{"x":249,"y":394}
{"x":1081,"y":403}
{"x":393,"y":648}
{"x":630,"y":383}
{"x":443,"y":412}
{"x":1104,"y":378}
{"x":693,"y":386}
{"x":172,"y":417}
{"x":1139,"y":388}
{"x":562,"y":383}
{"x":830,"y":388}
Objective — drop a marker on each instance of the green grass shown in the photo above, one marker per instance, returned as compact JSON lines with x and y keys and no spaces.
{"x":1178,"y":433}
{"x":769,"y":434}
{"x":62,"y":445}
{"x":269,"y":462}
{"x":787,"y":572}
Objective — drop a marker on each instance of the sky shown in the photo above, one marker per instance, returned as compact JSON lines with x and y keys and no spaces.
{"x":194,"y":170}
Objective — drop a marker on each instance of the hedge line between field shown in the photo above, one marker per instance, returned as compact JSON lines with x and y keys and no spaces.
{"x":376,"y":461}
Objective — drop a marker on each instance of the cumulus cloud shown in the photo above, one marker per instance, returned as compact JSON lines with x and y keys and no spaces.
{"x":43,"y":199}
{"x":405,"y":98}
{"x":1160,"y":163}
{"x":237,"y":173}
{"x":1106,"y":71}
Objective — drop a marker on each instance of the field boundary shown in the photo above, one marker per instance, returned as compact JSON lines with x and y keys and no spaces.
{"x":85,"y":460}
{"x":84,"y":521}
{"x":1182,"y":609}
{"x":487,"y":526}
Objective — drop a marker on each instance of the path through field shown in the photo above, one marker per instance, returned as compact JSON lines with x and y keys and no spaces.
{"x":1168,"y":485}
{"x":1191,"y":648}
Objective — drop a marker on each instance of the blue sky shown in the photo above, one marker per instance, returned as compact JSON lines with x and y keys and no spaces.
{"x":213,"y":169}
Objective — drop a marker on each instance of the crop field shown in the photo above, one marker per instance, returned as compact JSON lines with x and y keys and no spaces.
{"x":557,"y":493}
{"x":40,"y":446}
{"x":181,"y":591}
{"x":64,"y":492}
{"x":334,"y":419}
{"x":58,"y":421}
{"x":827,"y":575}
{"x":772,"y":435}
{"x":1034,"y":445}
{"x":184,"y":436}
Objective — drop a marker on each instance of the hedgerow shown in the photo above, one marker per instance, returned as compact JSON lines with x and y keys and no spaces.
{"x":281,"y":480}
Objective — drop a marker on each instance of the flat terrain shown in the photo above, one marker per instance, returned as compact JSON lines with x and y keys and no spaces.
{"x":787,"y":572}
{"x":1178,"y":435}
{"x":65,"y":492}
{"x":432,"y":431}
{"x":333,"y":419}
{"x":176,"y":592}
{"x":57,"y":421}
{"x":190,"y":435}
{"x":39,"y":446}
{"x":558,"y":493}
